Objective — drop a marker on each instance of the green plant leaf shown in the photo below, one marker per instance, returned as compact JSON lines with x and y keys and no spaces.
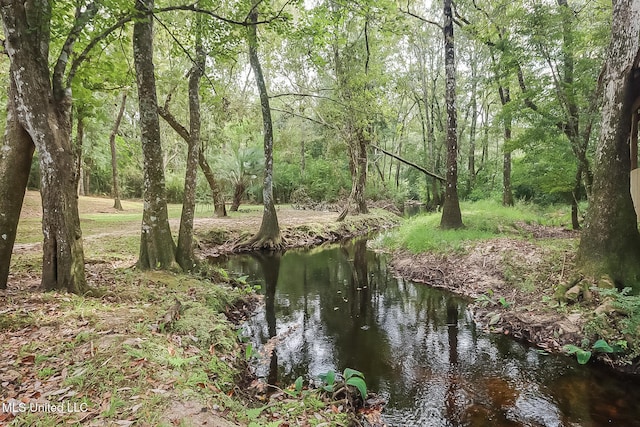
{"x":602,"y":346}
{"x":571,"y":349}
{"x":329,"y":378}
{"x":298,"y":384}
{"x":583,"y":356}
{"x":349,"y":373}
{"x":358,"y":383}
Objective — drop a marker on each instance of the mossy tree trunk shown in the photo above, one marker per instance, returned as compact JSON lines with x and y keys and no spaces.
{"x":610,"y":242}
{"x":269,"y":235}
{"x":43,"y":106}
{"x":184,"y":252}
{"x":157,"y":249}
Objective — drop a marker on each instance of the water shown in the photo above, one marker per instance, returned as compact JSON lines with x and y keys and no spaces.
{"x":338,"y":307}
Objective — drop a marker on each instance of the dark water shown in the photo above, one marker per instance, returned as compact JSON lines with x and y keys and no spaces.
{"x":418,"y":347}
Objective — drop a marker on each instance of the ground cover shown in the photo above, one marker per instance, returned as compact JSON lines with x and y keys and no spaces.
{"x":147,"y":348}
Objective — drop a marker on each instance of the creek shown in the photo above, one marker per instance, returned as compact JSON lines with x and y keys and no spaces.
{"x":341,"y":306}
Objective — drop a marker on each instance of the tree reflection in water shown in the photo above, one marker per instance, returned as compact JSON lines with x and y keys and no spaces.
{"x":341,"y":306}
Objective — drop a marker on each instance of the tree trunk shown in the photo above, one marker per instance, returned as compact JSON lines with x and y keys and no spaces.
{"x":214,"y":185}
{"x":220,"y":209}
{"x":156,"y":244}
{"x":115,"y":192}
{"x":184,"y":251}
{"x":610,"y":242}
{"x":576,"y":195}
{"x":238,"y":193}
{"x":451,"y":215}
{"x":79,"y":143}
{"x":16,"y":155}
{"x":43,"y":104}
{"x":269,"y":234}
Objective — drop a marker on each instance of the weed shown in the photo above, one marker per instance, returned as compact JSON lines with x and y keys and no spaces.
{"x":45,"y":373}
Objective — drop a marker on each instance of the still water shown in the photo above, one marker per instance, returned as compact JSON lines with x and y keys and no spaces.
{"x":340,"y":306}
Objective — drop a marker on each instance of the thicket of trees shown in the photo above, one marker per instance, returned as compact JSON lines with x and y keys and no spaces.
{"x":281,"y":101}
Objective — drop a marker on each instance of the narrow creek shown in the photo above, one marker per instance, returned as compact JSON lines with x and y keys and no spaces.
{"x":340,"y":306}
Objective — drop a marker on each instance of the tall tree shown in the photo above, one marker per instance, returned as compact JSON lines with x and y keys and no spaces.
{"x":115,"y":191}
{"x":451,"y":215}
{"x":184,"y":251}
{"x":610,"y":242}
{"x":157,"y":249}
{"x":269,"y":235}
{"x":42,"y":108}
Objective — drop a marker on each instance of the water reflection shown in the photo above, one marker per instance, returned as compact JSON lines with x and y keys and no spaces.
{"x":341,"y":307}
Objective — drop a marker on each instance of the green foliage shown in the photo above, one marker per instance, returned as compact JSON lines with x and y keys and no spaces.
{"x":334,"y":383}
{"x":600,"y":346}
{"x":488,"y":299}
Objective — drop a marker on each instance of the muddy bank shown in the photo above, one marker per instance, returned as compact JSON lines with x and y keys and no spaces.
{"x":513,"y":284}
{"x":220,"y":236}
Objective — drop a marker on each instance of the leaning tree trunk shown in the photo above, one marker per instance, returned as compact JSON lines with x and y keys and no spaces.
{"x":269,"y":234}
{"x":16,"y":154}
{"x":115,"y":191}
{"x":43,"y":105}
{"x":238,"y":193}
{"x":217,"y":194}
{"x":610,"y":242}
{"x":156,"y":244}
{"x":184,"y":251}
{"x":451,"y":215}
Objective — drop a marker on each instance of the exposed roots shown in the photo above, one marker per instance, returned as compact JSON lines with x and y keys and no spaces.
{"x":261,"y":243}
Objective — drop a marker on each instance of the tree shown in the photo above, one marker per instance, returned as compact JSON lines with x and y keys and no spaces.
{"x":184,"y":251}
{"x":157,"y":249}
{"x":451,"y":215}
{"x":610,"y":242}
{"x":269,"y":234}
{"x":16,"y":154}
{"x":41,"y":104}
{"x":115,"y":192}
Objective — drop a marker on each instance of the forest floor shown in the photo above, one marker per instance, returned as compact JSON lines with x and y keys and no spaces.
{"x":147,"y":348}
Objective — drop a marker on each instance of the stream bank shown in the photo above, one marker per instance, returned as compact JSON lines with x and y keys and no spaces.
{"x":518,"y":287}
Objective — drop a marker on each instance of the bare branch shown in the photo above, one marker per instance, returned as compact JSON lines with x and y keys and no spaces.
{"x":306,"y":118}
{"x":245,"y":23}
{"x":425,"y":20}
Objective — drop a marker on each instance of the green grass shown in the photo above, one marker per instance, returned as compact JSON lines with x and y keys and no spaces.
{"x":483,"y":220}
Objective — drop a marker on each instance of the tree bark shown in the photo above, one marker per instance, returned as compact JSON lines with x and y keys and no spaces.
{"x":451,"y":215}
{"x":16,"y":155}
{"x":43,"y":104}
{"x":269,"y":234}
{"x":79,"y":143}
{"x":115,"y":191}
{"x":238,"y":193}
{"x":184,"y":251}
{"x":157,"y":249}
{"x":610,"y":242}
